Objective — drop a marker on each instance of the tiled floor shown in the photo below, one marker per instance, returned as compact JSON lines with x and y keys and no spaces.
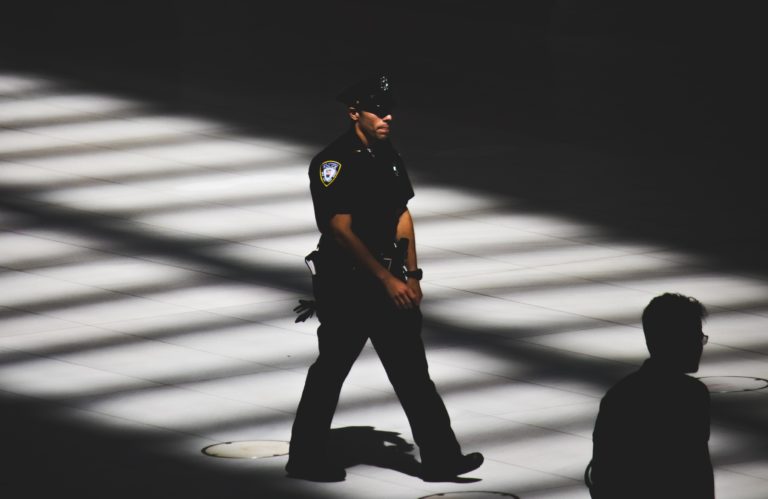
{"x":149,"y":264}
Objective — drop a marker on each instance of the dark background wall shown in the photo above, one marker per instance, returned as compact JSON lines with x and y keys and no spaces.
{"x":643,"y":116}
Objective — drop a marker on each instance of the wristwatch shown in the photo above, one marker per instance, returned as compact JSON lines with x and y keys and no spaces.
{"x":416,"y":274}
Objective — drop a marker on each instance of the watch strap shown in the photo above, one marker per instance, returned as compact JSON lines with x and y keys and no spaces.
{"x":416,"y":274}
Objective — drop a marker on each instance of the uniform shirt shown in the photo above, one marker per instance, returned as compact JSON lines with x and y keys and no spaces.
{"x":651,"y":438}
{"x":369,"y":183}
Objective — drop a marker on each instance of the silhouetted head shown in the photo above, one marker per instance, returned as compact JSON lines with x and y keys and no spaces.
{"x":369,"y":104}
{"x":672,"y":324}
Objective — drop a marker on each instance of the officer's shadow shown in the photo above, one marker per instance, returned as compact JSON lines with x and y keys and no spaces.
{"x":353,"y":445}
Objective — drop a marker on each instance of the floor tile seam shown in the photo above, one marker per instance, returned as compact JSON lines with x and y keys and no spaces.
{"x":149,"y":189}
{"x":487,"y":460}
{"x":577,"y":242}
{"x":81,"y":118}
{"x":580,"y":484}
{"x":104,"y":180}
{"x":70,"y":89}
{"x":149,"y":259}
{"x":612,"y":360}
{"x":69,"y":146}
{"x":594,"y":399}
{"x":133,"y":120}
{"x":108,"y":290}
{"x":194,"y":167}
{"x":502,"y":417}
{"x":271,"y":250}
{"x":580,"y":277}
{"x":727,"y":308}
{"x":584,"y":329}
{"x":218,"y":311}
{"x":56,"y":314}
{"x":47,"y":331}
{"x":194,"y":349}
{"x":137,"y":151}
{"x":24,"y":94}
{"x":199,"y":236}
{"x":470,"y":255}
{"x":196,"y":171}
{"x":73,"y":407}
{"x":154,"y":384}
{"x":509,"y":378}
{"x":79,"y":325}
{"x":75,"y":324}
{"x":728,"y":468}
{"x":81,"y":108}
{"x":542,"y":307}
{"x":530,"y":468}
{"x":738,"y":349}
{"x":638,"y":326}
{"x":581,"y":242}
{"x":129,"y":180}
{"x":378,"y":478}
{"x":53,"y":149}
{"x":138,"y":224}
{"x":271,"y":367}
{"x":235,"y":137}
{"x":622,"y":362}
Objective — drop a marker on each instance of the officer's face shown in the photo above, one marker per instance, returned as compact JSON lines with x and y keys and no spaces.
{"x":373,"y":127}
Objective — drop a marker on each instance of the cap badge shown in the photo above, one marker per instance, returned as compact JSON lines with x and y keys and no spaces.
{"x":329,"y":170}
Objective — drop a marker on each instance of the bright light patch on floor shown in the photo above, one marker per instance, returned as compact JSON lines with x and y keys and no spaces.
{"x":20,"y":248}
{"x":17,"y":83}
{"x":128,"y":129}
{"x":57,"y":107}
{"x":208,"y":151}
{"x":16,"y":142}
{"x":107,"y":165}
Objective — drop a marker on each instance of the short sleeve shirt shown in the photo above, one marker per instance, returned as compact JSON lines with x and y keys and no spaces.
{"x":651,"y":438}
{"x":369,"y":183}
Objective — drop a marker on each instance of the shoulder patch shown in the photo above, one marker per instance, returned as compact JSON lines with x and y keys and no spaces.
{"x":329,"y":170}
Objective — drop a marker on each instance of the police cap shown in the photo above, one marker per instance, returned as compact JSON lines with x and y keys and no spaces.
{"x":372,"y":94}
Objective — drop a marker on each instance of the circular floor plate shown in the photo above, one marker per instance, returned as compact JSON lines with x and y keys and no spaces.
{"x":730,"y":384}
{"x":480,"y":494}
{"x":248,"y":449}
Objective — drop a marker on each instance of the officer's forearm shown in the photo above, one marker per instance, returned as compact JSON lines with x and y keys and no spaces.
{"x":341,"y":229}
{"x":405,"y":229}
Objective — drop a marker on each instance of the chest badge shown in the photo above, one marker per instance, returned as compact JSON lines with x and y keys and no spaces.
{"x":329,"y":170}
{"x":395,"y":171}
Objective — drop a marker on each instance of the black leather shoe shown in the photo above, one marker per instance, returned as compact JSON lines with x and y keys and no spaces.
{"x":316,"y":472}
{"x":442,"y":471}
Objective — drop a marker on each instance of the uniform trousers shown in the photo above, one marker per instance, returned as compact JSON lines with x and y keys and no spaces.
{"x":353,"y":308}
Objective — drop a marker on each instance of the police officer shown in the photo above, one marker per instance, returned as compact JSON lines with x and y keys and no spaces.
{"x":360,"y":190}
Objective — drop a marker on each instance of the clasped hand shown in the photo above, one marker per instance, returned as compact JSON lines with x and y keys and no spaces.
{"x":405,"y":295}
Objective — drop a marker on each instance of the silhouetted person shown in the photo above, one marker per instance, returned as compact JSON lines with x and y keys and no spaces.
{"x":366,"y":287}
{"x":651,"y":435}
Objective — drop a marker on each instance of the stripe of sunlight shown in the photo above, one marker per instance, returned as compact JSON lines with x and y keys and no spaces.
{"x":22,"y":251}
{"x":455,"y":221}
{"x":35,"y":287}
{"x":611,"y":301}
{"x":17,"y":83}
{"x":186,"y":187}
{"x":77,"y":175}
{"x":89,"y":305}
{"x":100,"y":132}
{"x":51,"y":108}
